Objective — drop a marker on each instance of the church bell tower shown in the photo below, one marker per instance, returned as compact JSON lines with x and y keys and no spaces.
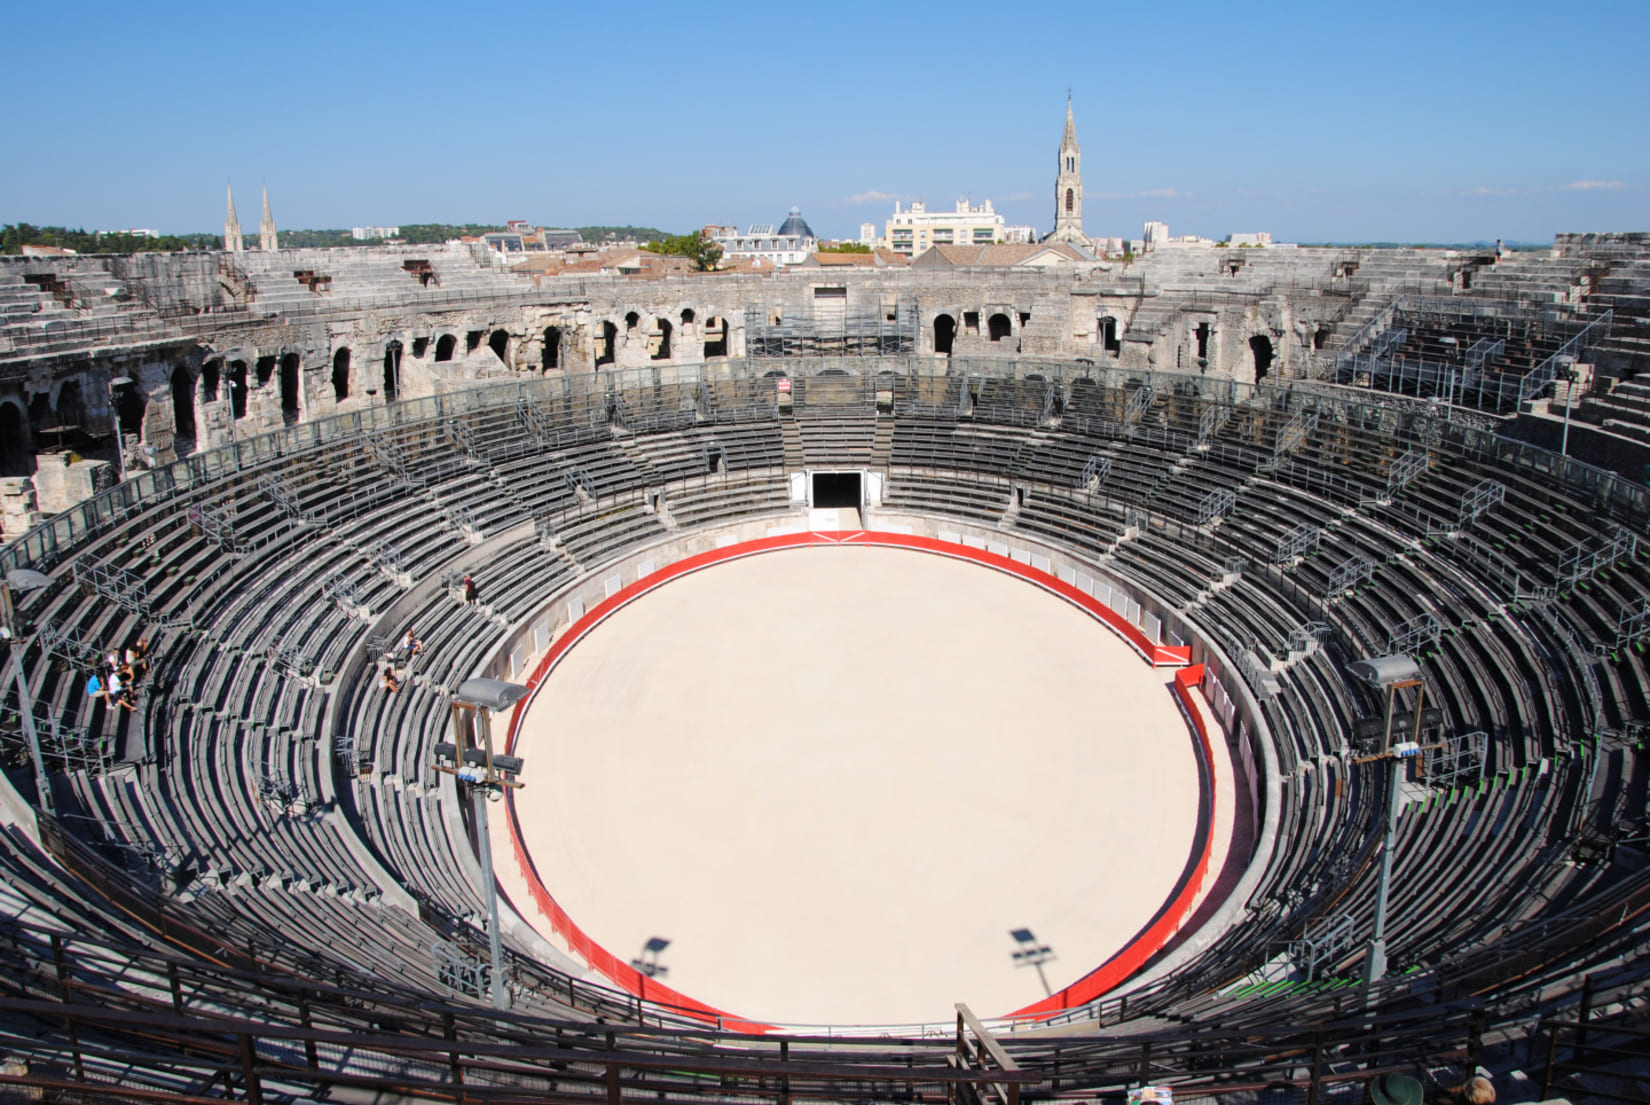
{"x":1068,"y":188}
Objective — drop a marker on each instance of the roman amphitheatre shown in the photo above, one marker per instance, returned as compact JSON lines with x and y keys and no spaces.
{"x":1221,"y":670}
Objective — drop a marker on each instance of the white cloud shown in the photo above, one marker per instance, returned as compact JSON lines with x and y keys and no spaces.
{"x":873,"y":196}
{"x":1150,"y":193}
{"x":1591,"y":185}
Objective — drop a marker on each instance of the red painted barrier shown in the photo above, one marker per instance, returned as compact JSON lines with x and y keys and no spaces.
{"x":1169,"y":919}
{"x":1091,"y":986}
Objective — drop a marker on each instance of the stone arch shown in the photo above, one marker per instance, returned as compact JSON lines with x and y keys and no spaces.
{"x":663,"y":352}
{"x":291,"y":380}
{"x":499,"y":342}
{"x":1320,"y":337}
{"x":631,"y":320}
{"x":211,"y":371}
{"x":607,"y":348}
{"x":1260,"y":347}
{"x":70,"y":409}
{"x":340,"y":374}
{"x":716,"y":336}
{"x":1106,"y":329}
{"x":1071,"y":199}
{"x":129,"y":407}
{"x":237,"y":388}
{"x":687,"y":316}
{"x":392,"y":370}
{"x":264,"y":368}
{"x":551,"y":356}
{"x":16,"y":447}
{"x":183,"y":402}
{"x":444,"y":346}
{"x":998,"y":326}
{"x":945,"y":333}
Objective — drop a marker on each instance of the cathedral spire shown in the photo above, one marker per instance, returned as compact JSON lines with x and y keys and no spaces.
{"x":266,"y":228}
{"x":231,"y":226}
{"x":1068,"y":188}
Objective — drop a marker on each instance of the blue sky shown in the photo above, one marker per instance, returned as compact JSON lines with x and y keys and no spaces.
{"x":1416,"y":122}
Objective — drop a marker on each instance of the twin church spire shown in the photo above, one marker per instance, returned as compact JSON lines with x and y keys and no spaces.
{"x":268,"y":238}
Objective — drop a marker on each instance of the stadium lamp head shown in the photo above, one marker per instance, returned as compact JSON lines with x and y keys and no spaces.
{"x":490,"y":694}
{"x":1384,"y":671}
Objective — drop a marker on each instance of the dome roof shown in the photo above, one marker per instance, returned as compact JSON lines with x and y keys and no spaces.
{"x":797,"y":225}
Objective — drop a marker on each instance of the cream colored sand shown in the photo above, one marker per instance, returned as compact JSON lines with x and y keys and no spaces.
{"x":835,"y":778}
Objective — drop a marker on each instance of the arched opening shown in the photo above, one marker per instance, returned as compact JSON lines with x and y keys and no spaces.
{"x":444,"y":346}
{"x":340,"y":374}
{"x":210,"y":371}
{"x":16,"y":459}
{"x":662,"y":353}
{"x":289,"y":388}
{"x":1203,"y":333}
{"x":687,"y":316}
{"x":1320,"y":337}
{"x":552,"y":348}
{"x":70,"y":410}
{"x":420,"y":347}
{"x":1108,"y":336}
{"x":183,"y":403}
{"x":1071,"y":200}
{"x":264,"y":368}
{"x":1261,"y":347}
{"x":998,"y":327}
{"x":716,"y":337}
{"x":392,"y":370}
{"x":499,"y":342}
{"x":129,"y":408}
{"x":607,"y":347}
{"x":945,"y":330}
{"x":237,"y":389}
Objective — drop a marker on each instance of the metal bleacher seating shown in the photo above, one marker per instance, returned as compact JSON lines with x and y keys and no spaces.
{"x":270,"y":803}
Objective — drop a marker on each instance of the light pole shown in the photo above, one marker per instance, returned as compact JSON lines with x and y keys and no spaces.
{"x":1568,"y":375}
{"x":1032,"y":954}
{"x":25,"y":579}
{"x":1391,"y":674}
{"x":470,"y":759}
{"x":115,"y":384}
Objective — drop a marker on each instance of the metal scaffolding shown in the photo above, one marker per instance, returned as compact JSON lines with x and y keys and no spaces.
{"x":1479,"y":499}
{"x":1211,"y":421}
{"x":1583,"y":563}
{"x":1351,"y":573}
{"x":1094,"y":473}
{"x":1296,"y":541}
{"x":1216,"y":504}
{"x":215,"y":525}
{"x":1324,"y":941}
{"x":1409,"y":637}
{"x":1404,"y":471}
{"x":866,"y":331}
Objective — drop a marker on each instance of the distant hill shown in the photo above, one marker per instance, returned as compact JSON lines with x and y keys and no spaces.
{"x":599,"y":234}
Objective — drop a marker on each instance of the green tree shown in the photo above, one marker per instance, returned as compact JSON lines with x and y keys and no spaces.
{"x":704,"y":253}
{"x":846,"y":247}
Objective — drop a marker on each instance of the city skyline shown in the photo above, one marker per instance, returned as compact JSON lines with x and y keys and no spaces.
{"x":1409,"y":124}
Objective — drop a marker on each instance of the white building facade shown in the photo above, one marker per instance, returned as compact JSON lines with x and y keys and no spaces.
{"x":915,"y":229}
{"x":789,"y":245}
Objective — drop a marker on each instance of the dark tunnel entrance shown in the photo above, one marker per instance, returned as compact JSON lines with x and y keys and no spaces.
{"x":836,"y":489}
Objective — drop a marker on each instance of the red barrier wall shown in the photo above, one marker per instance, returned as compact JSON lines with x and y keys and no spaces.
{"x":1114,"y":971}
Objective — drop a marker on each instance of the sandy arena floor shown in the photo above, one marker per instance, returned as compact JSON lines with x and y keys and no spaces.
{"x":835,"y":778}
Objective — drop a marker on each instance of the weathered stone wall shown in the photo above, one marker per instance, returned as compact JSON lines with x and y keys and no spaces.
{"x":198,"y":318}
